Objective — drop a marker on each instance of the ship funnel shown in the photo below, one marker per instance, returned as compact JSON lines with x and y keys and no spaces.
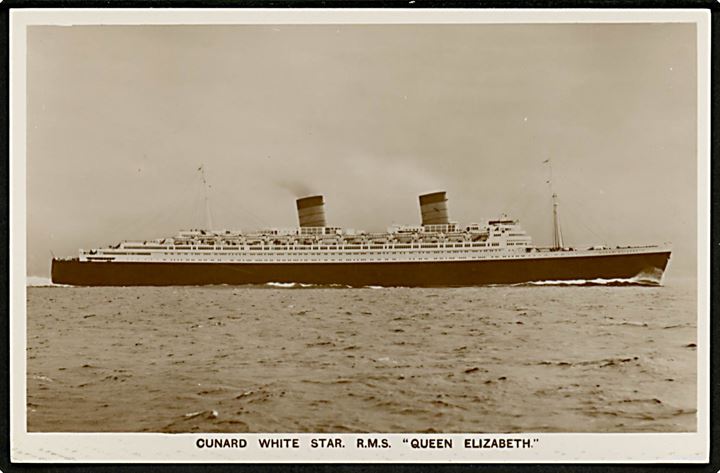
{"x":311,"y":211}
{"x":433,"y":208}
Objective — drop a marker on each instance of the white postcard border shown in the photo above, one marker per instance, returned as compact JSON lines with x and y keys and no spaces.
{"x":164,"y":448}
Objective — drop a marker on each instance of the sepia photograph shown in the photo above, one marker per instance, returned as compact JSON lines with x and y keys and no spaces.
{"x":332,"y":231}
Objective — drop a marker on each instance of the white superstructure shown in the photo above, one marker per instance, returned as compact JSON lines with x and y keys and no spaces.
{"x":501,"y":238}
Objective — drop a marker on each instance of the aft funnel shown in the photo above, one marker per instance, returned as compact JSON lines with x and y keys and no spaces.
{"x":311,"y":211}
{"x":433,"y":208}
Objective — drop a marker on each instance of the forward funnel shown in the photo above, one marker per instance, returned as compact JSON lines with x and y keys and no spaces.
{"x":433,"y":208}
{"x":311,"y":211}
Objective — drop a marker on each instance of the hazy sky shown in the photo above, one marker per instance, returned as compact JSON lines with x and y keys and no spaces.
{"x":121,"y":117}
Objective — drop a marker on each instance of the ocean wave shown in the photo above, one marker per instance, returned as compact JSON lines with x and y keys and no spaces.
{"x":300,"y":285}
{"x":296,"y":285}
{"x":594,"y":282}
{"x":37,"y":281}
{"x":283,"y":284}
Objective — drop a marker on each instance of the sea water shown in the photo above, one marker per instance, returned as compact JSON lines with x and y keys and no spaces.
{"x":590,"y":357}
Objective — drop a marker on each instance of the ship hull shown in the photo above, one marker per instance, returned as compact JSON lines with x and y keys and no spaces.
{"x":408,"y":274}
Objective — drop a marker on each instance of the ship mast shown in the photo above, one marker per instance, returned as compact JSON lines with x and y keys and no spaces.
{"x":208,"y":216}
{"x":558,"y":239}
{"x":557,"y":232}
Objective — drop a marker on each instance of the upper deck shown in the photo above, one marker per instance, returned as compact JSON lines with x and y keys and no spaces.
{"x":498,"y":239}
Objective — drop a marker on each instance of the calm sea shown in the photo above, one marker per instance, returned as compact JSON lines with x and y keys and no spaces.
{"x":287,"y":359}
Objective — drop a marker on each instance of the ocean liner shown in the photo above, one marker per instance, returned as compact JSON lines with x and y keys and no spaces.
{"x":436,"y":253}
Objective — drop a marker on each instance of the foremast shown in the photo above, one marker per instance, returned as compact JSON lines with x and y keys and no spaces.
{"x":208,"y":214}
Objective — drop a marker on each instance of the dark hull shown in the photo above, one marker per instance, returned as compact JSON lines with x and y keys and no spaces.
{"x":415,"y":274}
